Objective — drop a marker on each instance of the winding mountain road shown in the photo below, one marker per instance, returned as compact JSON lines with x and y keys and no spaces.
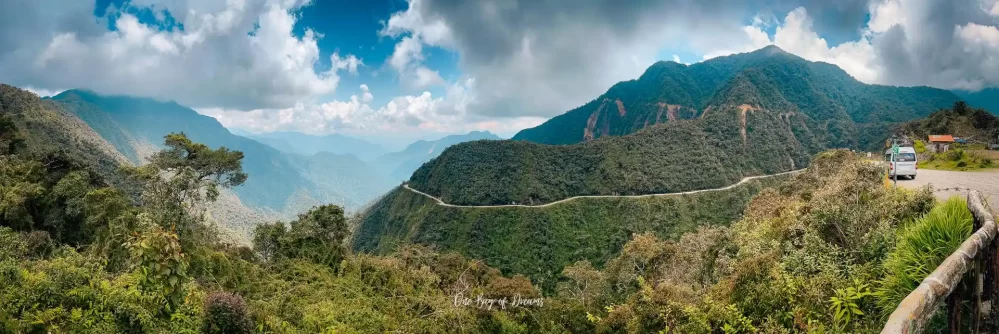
{"x":949,"y":183}
{"x":442,"y":203}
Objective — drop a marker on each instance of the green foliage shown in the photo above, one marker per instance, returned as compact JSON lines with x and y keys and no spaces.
{"x":318,"y":235}
{"x":846,"y":303}
{"x":922,"y":246}
{"x":696,"y":154}
{"x":957,"y":158}
{"x":960,"y":120}
{"x":226,"y":313}
{"x":540,"y":242}
{"x":181,"y":179}
{"x":919,"y":146}
{"x":10,"y":139}
{"x":159,"y":263}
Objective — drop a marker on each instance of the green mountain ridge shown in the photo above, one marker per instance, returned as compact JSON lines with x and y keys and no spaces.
{"x":761,"y":112}
{"x":668,"y":91}
{"x":987,"y":99}
{"x":399,"y":166}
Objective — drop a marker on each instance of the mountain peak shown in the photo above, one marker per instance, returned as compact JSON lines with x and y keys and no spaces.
{"x":772,"y":50}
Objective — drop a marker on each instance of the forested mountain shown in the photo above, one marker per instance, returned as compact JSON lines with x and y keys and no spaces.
{"x":987,"y":99}
{"x":707,"y":152}
{"x":668,"y":91}
{"x":539,"y":242}
{"x":295,"y":142}
{"x":399,"y":166}
{"x":961,"y":120}
{"x":682,"y":128}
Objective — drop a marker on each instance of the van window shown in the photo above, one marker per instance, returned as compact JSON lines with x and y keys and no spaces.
{"x":905,"y":157}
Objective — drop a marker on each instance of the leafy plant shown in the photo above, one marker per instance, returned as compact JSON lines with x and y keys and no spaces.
{"x":921,"y":247}
{"x":846,"y":303}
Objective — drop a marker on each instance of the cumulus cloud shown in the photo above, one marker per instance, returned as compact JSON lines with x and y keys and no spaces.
{"x":541,"y":58}
{"x":229,"y":54}
{"x":404,"y":118}
{"x":939,"y":43}
{"x":350,"y":63}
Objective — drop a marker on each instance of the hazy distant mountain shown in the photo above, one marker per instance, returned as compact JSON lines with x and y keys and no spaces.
{"x":400,"y":165}
{"x":295,"y":142}
{"x":278,"y":180}
{"x":987,"y":99}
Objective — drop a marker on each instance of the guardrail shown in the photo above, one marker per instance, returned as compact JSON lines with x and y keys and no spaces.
{"x":968,"y":273}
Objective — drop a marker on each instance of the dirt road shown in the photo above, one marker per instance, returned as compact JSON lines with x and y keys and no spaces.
{"x":945,"y":182}
{"x":442,"y":203}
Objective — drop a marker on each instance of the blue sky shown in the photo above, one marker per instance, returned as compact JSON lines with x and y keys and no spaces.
{"x":393,"y":71}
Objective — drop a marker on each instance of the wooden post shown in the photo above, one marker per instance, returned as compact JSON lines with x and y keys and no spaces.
{"x":954,"y":311}
{"x":976,"y":279}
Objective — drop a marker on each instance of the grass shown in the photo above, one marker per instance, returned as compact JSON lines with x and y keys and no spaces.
{"x":922,"y":246}
{"x":959,"y":159}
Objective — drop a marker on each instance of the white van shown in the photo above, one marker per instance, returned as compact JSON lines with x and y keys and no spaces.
{"x":904,"y":164}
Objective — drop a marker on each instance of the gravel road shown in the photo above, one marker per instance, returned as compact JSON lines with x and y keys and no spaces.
{"x":985,"y":181}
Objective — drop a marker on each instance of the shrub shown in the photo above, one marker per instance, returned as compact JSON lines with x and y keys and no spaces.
{"x":225,"y":313}
{"x":962,"y":163}
{"x":919,"y":146}
{"x":955,"y":154}
{"x":922,"y":246}
{"x":39,"y":243}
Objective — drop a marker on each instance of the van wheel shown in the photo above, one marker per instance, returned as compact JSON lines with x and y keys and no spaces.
{"x":912,"y":177}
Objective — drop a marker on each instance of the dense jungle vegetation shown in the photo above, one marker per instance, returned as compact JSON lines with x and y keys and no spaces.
{"x":539,"y":242}
{"x":697,"y":154}
{"x":78,"y":254}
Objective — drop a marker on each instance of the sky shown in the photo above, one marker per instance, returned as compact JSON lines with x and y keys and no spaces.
{"x":393,"y":71}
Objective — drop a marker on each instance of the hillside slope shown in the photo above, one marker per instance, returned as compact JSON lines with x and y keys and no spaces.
{"x":987,"y":99}
{"x":399,"y":166}
{"x":45,"y":125}
{"x":961,"y":120}
{"x":539,"y":242}
{"x":668,"y":91}
{"x":710,"y":152}
{"x":755,"y":113}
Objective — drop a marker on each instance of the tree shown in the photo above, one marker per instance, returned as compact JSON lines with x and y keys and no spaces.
{"x":10,"y":141}
{"x":317,"y":235}
{"x":181,"y":178}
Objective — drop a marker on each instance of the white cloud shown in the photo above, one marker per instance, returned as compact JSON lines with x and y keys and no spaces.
{"x":350,"y":63}
{"x":230,"y":54}
{"x":43,"y":92}
{"x":543,"y":58}
{"x":405,"y":117}
{"x":906,"y":42}
{"x":426,"y":78}
{"x":366,"y":96}
{"x":797,"y":36}
{"x":407,"y":51}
